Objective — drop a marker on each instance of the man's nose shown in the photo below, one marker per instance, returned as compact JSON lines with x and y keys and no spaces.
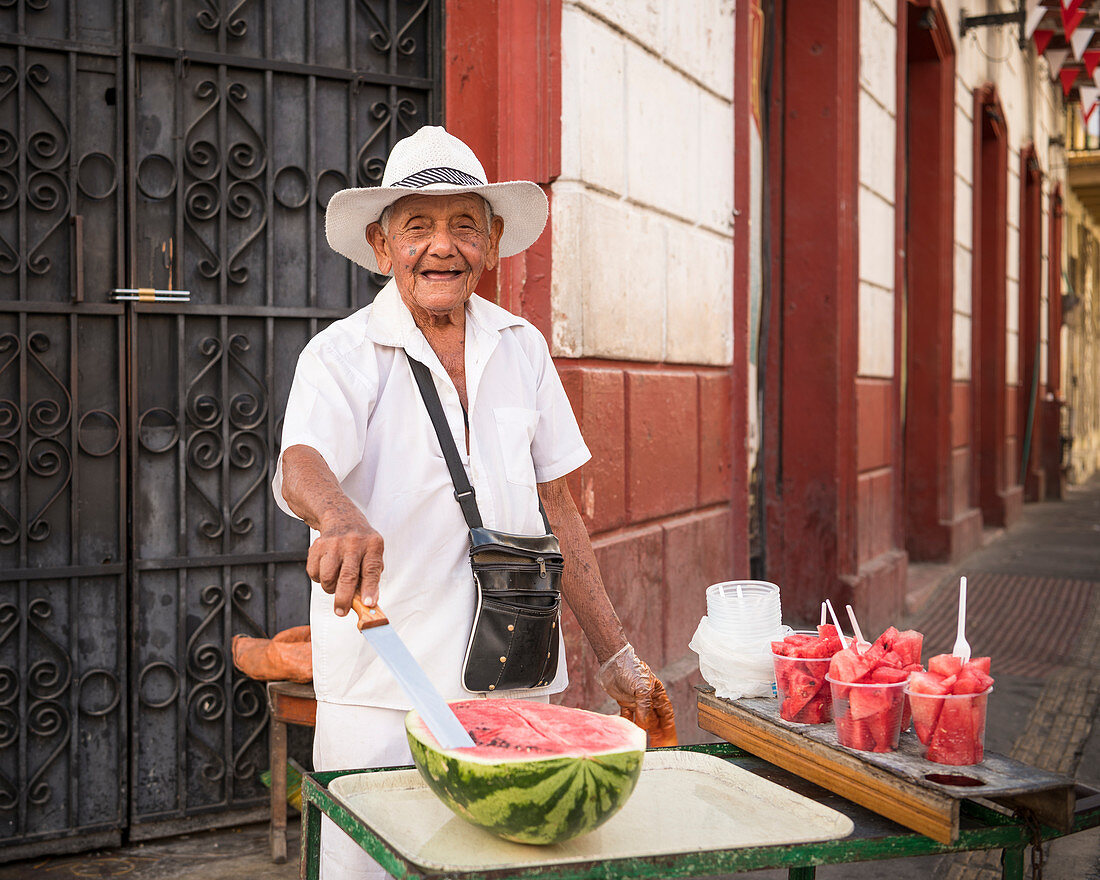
{"x":442,"y":243}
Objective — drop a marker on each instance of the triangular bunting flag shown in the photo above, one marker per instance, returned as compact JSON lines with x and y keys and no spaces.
{"x":1070,"y":20}
{"x":1042,"y":40}
{"x":1089,"y":96}
{"x":1091,"y":57}
{"x":1072,"y":5}
{"x":1056,"y":58}
{"x":1096,"y":78}
{"x":1034,"y":16}
{"x":1068,"y":76}
{"x":1080,"y":40}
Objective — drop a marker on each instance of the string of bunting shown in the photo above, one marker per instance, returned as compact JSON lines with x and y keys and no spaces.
{"x":1078,"y":38}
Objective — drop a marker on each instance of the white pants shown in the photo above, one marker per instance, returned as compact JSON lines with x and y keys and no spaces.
{"x":354,"y":738}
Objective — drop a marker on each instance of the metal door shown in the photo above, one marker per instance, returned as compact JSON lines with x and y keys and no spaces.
{"x":185,"y":146}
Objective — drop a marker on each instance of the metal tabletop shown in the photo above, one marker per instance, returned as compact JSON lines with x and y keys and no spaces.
{"x":982,"y":827}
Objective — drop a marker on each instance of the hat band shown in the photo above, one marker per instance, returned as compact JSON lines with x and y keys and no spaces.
{"x":438,"y":175}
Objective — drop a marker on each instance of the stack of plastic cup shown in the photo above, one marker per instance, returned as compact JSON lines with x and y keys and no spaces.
{"x":734,"y":639}
{"x":747,"y":613}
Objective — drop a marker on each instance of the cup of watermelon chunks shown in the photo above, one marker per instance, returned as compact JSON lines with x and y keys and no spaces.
{"x":949,"y":703}
{"x":801,"y":662}
{"x":868,"y":689}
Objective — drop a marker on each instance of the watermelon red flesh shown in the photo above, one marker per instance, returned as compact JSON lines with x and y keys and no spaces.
{"x":945,"y":664}
{"x":537,"y":773}
{"x":908,"y":646}
{"x":959,"y":730}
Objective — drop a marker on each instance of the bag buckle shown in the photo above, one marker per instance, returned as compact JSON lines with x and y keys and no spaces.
{"x":460,"y":495}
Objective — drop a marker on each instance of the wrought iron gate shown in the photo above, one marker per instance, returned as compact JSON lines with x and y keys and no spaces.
{"x":186,"y":146}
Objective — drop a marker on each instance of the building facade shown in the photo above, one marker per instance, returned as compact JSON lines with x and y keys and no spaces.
{"x":802,"y":281}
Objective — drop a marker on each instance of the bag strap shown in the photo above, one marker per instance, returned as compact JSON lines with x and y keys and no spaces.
{"x":464,"y":492}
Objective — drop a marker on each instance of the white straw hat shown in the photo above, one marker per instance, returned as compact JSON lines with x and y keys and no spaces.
{"x":432,"y":161}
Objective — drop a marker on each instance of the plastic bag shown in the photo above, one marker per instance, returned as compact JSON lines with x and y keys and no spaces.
{"x":734,"y":670}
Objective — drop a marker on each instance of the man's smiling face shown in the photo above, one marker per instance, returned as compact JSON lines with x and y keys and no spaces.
{"x":436,"y":246}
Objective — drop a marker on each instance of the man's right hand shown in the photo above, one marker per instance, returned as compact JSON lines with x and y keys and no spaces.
{"x":347,"y":555}
{"x":345,"y":558}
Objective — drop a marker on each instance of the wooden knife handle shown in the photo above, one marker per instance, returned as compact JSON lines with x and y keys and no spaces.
{"x":368,"y":615}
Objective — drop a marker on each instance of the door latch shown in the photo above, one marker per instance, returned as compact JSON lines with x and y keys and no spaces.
{"x":149,"y":294}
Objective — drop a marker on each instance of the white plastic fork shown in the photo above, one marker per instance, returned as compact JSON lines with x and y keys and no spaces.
{"x":962,"y":646}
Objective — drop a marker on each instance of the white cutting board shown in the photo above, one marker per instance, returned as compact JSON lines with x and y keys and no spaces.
{"x":684,"y":802}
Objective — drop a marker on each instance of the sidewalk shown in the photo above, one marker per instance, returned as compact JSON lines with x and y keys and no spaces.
{"x":1034,"y":607}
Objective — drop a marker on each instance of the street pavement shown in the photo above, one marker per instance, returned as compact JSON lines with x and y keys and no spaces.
{"x":1033,"y":606}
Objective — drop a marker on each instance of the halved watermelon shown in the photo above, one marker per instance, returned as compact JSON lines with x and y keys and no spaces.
{"x":537,"y":773}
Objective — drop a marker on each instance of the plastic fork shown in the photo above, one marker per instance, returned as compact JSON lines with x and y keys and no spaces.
{"x":861,"y":643}
{"x":962,"y":646}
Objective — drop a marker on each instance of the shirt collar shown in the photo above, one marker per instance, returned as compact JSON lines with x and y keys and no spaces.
{"x":391,"y":323}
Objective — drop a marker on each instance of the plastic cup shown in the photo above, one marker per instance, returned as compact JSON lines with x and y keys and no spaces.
{"x":867,"y":716}
{"x":950,"y":727}
{"x":804,"y":695}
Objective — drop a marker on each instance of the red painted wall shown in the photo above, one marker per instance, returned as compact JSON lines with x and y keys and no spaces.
{"x":1053,"y":403}
{"x":1029,"y":422}
{"x":941,"y":524}
{"x":999,"y":498}
{"x":657,"y":494}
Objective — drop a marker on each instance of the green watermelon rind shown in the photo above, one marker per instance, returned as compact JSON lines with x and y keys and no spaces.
{"x":542,"y":801}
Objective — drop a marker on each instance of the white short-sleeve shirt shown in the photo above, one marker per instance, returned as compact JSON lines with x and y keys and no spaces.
{"x":355,"y":401}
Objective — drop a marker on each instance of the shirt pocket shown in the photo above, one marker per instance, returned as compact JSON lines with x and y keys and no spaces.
{"x":516,"y":430}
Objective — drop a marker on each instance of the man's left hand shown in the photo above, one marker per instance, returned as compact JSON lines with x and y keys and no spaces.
{"x":640,"y":695}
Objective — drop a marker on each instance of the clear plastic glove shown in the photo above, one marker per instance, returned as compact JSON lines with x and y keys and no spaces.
{"x":640,"y":695}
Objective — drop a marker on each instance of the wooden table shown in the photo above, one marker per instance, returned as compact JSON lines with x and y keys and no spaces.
{"x":288,"y":703}
{"x":874,"y":838}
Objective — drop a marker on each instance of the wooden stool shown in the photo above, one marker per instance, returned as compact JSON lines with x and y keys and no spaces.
{"x":288,"y":703}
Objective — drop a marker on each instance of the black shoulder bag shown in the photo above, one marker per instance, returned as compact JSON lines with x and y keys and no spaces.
{"x":514,"y":641}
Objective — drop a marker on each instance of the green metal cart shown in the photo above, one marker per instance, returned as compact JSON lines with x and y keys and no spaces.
{"x":873,"y":838}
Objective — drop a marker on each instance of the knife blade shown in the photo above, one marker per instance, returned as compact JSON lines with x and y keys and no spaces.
{"x":440,"y":718}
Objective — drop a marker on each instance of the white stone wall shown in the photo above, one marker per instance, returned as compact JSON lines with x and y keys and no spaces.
{"x":877,"y":145}
{"x":642,"y":245}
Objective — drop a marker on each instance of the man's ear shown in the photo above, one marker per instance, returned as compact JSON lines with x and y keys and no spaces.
{"x":376,"y":238}
{"x":496,"y":230}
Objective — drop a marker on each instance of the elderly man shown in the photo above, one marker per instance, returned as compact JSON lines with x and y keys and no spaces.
{"x":362,"y":464}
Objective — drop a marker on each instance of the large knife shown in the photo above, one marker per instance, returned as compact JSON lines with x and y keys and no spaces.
{"x":440,"y":718}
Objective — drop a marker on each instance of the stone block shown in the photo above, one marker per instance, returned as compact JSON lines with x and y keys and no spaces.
{"x":877,"y":147}
{"x":1012,"y":305}
{"x":583,"y":691}
{"x":964,"y":279}
{"x":642,"y":19}
{"x":600,"y":490}
{"x":714,"y":166}
{"x":875,"y":499}
{"x":874,"y":424}
{"x":593,"y":123}
{"x":1012,"y":361}
{"x":698,"y":552}
{"x":662,"y":443}
{"x":700,"y":297}
{"x":567,"y":278}
{"x":876,"y":240}
{"x":662,"y":143}
{"x":632,"y":566}
{"x":621,"y":268}
{"x":715,"y":443}
{"x":878,"y":47}
{"x":964,"y":213}
{"x":876,"y":331}
{"x":698,"y":39}
{"x":964,"y":142}
{"x":960,"y":366}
